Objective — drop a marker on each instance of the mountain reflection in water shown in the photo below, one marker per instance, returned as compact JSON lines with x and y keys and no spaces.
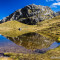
{"x":32,"y":41}
{"x":44,"y":50}
{"x":26,"y":43}
{"x":9,"y":46}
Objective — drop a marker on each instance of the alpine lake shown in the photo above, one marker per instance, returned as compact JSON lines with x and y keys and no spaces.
{"x":15,"y":45}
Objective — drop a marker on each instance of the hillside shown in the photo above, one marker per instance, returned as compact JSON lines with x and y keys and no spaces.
{"x":14,"y":25}
{"x":49,"y":28}
{"x":31,"y":14}
{"x":10,"y":28}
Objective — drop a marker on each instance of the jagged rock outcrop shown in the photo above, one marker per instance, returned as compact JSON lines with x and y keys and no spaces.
{"x":31,"y":14}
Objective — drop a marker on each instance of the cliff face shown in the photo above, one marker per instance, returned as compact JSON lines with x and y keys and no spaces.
{"x":31,"y":14}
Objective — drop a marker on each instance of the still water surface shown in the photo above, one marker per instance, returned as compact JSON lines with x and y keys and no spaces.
{"x":26,"y":43}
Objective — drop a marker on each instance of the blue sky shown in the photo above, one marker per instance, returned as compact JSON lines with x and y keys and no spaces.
{"x":9,"y":6}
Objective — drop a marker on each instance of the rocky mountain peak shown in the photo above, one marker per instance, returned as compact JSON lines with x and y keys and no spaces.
{"x":31,"y":14}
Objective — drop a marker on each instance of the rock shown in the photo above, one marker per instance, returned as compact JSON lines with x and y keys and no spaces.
{"x":40,"y":51}
{"x":44,"y":50}
{"x":31,"y":14}
{"x":19,"y":29}
{"x":1,"y":54}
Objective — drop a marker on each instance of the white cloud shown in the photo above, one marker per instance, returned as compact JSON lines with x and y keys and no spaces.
{"x":56,"y":4}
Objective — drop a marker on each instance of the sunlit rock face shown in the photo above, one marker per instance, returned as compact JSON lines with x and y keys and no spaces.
{"x":31,"y":14}
{"x":32,"y":41}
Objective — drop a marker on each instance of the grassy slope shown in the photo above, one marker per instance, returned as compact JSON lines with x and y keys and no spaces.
{"x":13,"y":25}
{"x":5,"y":58}
{"x":49,"y":28}
{"x":10,"y":28}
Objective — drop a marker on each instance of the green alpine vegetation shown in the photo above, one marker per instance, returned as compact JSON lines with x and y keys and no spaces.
{"x":49,"y":28}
